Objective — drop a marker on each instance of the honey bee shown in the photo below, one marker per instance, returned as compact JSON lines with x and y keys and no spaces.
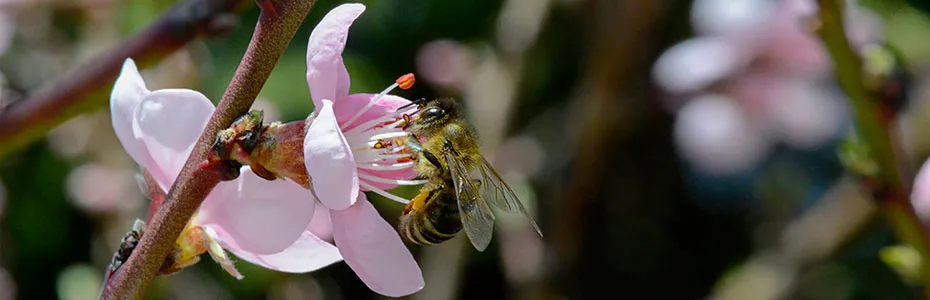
{"x":460,"y":181}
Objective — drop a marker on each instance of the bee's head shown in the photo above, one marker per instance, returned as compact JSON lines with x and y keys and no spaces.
{"x":433,"y":114}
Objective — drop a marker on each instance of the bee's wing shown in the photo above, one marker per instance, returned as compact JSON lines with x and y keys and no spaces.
{"x":477,"y":217}
{"x":499,"y":193}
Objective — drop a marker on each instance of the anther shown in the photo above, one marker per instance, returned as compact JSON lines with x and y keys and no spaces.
{"x":406,"y":121}
{"x":406,"y":82}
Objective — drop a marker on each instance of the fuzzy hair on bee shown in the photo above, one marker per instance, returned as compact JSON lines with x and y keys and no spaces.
{"x":460,"y":184}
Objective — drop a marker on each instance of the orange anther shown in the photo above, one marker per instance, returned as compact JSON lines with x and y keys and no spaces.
{"x":379,"y":145}
{"x":406,"y":81}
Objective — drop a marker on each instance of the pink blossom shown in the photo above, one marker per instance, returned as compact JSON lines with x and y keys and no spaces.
{"x":354,"y":143}
{"x":713,"y":133}
{"x":763,"y":56}
{"x":258,"y":220}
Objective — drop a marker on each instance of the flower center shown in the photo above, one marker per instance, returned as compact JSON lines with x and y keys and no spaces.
{"x":379,"y":146}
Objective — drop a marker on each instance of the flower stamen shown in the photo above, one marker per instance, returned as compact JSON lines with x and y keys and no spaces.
{"x":404,"y":82}
{"x":389,"y":167}
{"x":390,"y":181}
{"x":381,"y":192}
{"x":383,"y":157}
{"x":370,"y":125}
{"x":392,"y":133}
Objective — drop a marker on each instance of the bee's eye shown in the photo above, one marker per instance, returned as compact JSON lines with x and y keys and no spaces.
{"x":433,"y":112}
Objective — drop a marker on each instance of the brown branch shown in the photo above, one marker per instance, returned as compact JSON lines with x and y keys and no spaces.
{"x":273,"y":33}
{"x":83,"y":89}
{"x":606,"y":119}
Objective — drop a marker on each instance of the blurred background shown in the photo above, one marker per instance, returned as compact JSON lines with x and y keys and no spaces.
{"x":669,"y":149}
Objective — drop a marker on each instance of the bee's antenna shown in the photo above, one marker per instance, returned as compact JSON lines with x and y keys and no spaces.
{"x":418,"y":102}
{"x":404,"y":107}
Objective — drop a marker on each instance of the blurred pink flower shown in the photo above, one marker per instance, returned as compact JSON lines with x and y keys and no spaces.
{"x":920,"y":194}
{"x":698,"y":62}
{"x":445,"y":63}
{"x":713,"y":133}
{"x":729,"y":17}
{"x":7,"y":286}
{"x":806,"y":114}
{"x":761,"y":55}
{"x":252,"y":217}
{"x":355,"y":142}
{"x":734,"y":35}
{"x":98,"y":188}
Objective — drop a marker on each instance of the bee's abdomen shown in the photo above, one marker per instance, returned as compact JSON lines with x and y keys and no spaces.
{"x":436,"y":223}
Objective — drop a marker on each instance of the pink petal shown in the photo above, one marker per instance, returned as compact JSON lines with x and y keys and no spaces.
{"x":920,"y":195}
{"x":309,"y":253}
{"x":262,"y":217}
{"x":128,"y":92}
{"x":326,"y":73}
{"x":347,"y":107}
{"x":789,"y":47}
{"x":321,"y":226}
{"x":698,"y":62}
{"x":373,"y":249}
{"x":722,"y":17}
{"x":329,"y":161}
{"x":169,"y":122}
{"x":218,"y":197}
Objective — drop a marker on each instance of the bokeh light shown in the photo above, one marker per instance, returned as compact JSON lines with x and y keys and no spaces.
{"x":97,"y":188}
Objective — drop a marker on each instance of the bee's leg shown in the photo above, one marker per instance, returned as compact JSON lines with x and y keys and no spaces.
{"x":418,"y":202}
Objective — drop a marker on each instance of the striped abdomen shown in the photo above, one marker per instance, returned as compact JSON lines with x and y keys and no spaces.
{"x":435,"y":223}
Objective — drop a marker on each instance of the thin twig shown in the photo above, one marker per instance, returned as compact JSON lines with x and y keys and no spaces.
{"x":25,"y":120}
{"x":273,"y":33}
{"x":875,"y":128}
